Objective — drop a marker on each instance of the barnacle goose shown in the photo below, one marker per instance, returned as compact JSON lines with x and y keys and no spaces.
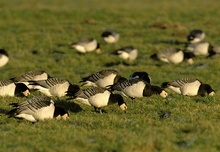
{"x":54,"y":86}
{"x":103,"y":78}
{"x":86,"y":45}
{"x":110,"y":36}
{"x":173,"y":55}
{"x":9,"y":88}
{"x":98,"y":97}
{"x":189,"y":87}
{"x":38,"y":108}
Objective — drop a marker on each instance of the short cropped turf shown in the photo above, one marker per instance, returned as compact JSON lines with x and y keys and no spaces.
{"x":37,"y":35}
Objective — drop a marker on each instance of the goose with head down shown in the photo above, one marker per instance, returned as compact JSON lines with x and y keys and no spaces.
{"x":54,"y":87}
{"x":10,"y":88}
{"x":126,"y":53}
{"x":103,"y":78}
{"x":98,"y":97}
{"x":86,"y":45}
{"x":173,"y":55}
{"x":189,"y":87}
{"x":138,"y":88}
{"x":34,"y":75}
{"x":38,"y":108}
{"x":110,"y":36}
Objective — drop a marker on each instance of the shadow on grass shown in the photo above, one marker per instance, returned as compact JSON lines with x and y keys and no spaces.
{"x":3,"y":111}
{"x":110,"y":64}
{"x":172,"y":42}
{"x":69,"y":105}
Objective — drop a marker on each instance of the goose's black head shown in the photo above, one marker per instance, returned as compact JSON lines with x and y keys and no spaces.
{"x":206,"y":88}
{"x":142,"y":76}
{"x":21,"y":88}
{"x":60,"y":112}
{"x":119,"y":99}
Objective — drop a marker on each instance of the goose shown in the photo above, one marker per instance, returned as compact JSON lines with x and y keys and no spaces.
{"x":200,"y":48}
{"x":4,"y":58}
{"x":110,"y":36}
{"x":173,"y":55}
{"x":86,"y":45}
{"x":54,"y":86}
{"x":103,"y":78}
{"x":9,"y":88}
{"x":127,"y":53}
{"x":195,"y":36}
{"x":141,"y":75}
{"x":38,"y":108}
{"x":137,"y":88}
{"x":98,"y":97}
{"x":189,"y":87}
{"x":34,"y":75}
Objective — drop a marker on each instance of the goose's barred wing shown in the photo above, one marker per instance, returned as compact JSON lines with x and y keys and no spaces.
{"x":28,"y":76}
{"x":181,"y":82}
{"x":121,"y":86}
{"x":127,"y":49}
{"x":84,"y":41}
{"x":167,"y":52}
{"x":98,"y":75}
{"x":5,"y":82}
{"x":51,"y":82}
{"x":34,"y":104}
{"x":87,"y":93}
{"x":127,"y":83}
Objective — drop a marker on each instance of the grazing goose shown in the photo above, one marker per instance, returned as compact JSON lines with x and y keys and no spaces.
{"x":103,"y":78}
{"x":54,"y":86}
{"x":86,"y":45}
{"x":3,"y":58}
{"x":38,"y":108}
{"x":34,"y":75}
{"x":127,"y":53}
{"x":200,"y":48}
{"x":110,"y":36}
{"x":9,"y":88}
{"x":137,"y":88}
{"x":98,"y":97}
{"x":141,"y":76}
{"x":189,"y":87}
{"x":196,"y":36}
{"x":173,"y":55}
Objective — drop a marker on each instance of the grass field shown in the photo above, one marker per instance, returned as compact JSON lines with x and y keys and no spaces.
{"x":192,"y":123}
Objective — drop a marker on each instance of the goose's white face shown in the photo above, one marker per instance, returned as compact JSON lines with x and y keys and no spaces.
{"x":58,"y":117}
{"x":190,"y":61}
{"x":195,"y":40}
{"x":123,"y":107}
{"x":98,"y":51}
{"x":26,"y":93}
{"x":64,"y":117}
{"x":164,"y":94}
{"x":211,"y":93}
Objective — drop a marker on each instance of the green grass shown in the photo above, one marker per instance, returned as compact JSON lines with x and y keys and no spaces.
{"x":193,"y":123}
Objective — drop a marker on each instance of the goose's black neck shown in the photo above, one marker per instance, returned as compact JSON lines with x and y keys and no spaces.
{"x":150,"y":90}
{"x":204,"y":88}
